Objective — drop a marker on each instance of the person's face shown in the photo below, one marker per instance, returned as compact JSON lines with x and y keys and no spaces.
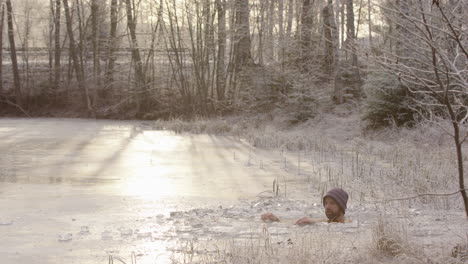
{"x":332,"y":209}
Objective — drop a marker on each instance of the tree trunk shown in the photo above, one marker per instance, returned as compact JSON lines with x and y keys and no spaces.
{"x":358,"y":20}
{"x":76,"y":64}
{"x":220,"y":75}
{"x":2,"y":22}
{"x":57,"y":47}
{"x":25,"y":46}
{"x":350,"y":32}
{"x":14,"y":60}
{"x":242,"y":35}
{"x":50,"y":43}
{"x":351,"y":46}
{"x":369,"y":10}
{"x":140,"y":79}
{"x":329,"y":32}
{"x":270,"y":47}
{"x":261,"y":30}
{"x":112,"y":44}
{"x":458,"y":146}
{"x":290,"y":19}
{"x":306,"y":33}
{"x":335,"y":33}
{"x":281,"y":31}
{"x":342,"y":22}
{"x":95,"y":43}
{"x":81,"y":47}
{"x":402,"y":34}
{"x":206,"y":52}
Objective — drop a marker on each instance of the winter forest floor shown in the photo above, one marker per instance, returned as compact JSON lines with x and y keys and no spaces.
{"x":331,"y":150}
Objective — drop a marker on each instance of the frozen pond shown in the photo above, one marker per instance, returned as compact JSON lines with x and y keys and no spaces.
{"x":76,"y":191}
{"x":79,"y":191}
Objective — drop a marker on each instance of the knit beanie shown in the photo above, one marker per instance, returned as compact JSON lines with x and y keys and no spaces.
{"x":339,"y":195}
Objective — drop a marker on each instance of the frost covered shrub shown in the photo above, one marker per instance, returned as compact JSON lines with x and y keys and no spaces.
{"x":301,"y":105}
{"x":386,"y":102}
{"x":261,"y":88}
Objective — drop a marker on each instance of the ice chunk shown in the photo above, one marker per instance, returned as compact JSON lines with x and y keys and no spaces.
{"x":125,"y":231}
{"x":197,"y":225}
{"x":106,"y":235}
{"x":143,"y":234}
{"x":6,"y":222}
{"x":176,"y":214}
{"x":65,"y":237}
{"x":84,"y":230}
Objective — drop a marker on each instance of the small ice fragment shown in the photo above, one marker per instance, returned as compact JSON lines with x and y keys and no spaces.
{"x":255,"y":205}
{"x":84,"y":230}
{"x":106,"y":235}
{"x":175,"y":214}
{"x":65,"y":237}
{"x":315,"y":204}
{"x":6,"y":222}
{"x":126,"y":231}
{"x":143,"y":234}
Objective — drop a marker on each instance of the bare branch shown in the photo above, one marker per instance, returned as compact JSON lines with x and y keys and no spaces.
{"x":420,"y":195}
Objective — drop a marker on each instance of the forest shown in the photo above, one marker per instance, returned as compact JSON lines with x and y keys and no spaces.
{"x":151,"y":59}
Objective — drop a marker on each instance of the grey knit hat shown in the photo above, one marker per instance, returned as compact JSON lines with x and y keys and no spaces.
{"x":339,"y":195}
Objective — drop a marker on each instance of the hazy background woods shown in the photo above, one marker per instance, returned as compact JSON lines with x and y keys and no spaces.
{"x":155,"y":59}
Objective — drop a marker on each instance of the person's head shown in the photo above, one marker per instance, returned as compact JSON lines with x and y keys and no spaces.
{"x":334,"y":203}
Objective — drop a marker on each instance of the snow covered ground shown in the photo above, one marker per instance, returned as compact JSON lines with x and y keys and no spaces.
{"x":79,"y":191}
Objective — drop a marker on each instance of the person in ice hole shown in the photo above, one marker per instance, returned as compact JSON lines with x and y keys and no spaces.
{"x":334,"y":203}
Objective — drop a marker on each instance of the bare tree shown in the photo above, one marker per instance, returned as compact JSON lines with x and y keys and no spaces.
{"x":220,"y":69}
{"x":27,"y":8}
{"x":261,"y":29}
{"x":330,"y":38}
{"x":14,"y":60}
{"x":369,"y":11}
{"x":57,"y":45}
{"x":140,"y":77}
{"x":431,"y":63}
{"x":350,"y":32}
{"x":112,"y":44}
{"x":50,"y":41}
{"x":281,"y":48}
{"x":270,"y":38}
{"x":2,"y":22}
{"x":242,"y":41}
{"x":95,"y":12}
{"x":76,"y":63}
{"x":290,"y":18}
{"x":306,"y":33}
